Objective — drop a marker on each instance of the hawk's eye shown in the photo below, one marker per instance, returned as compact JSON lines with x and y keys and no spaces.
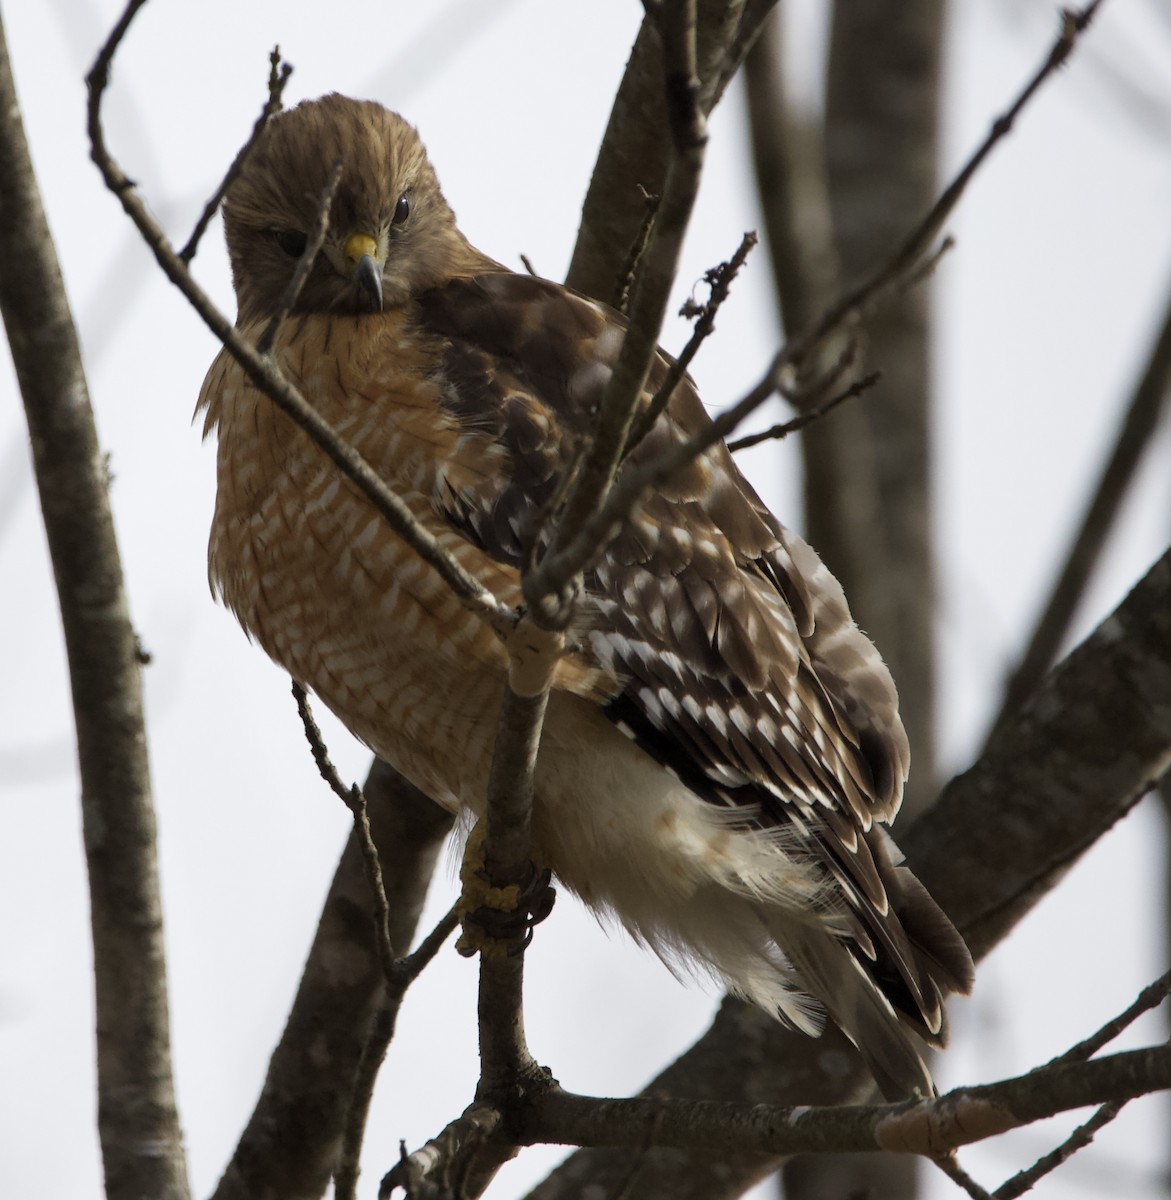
{"x":292,"y":242}
{"x":402,"y":210}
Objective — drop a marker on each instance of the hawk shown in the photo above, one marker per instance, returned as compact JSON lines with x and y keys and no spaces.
{"x":722,"y":748}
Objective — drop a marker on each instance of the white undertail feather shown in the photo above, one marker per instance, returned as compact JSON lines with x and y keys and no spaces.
{"x":707,"y":895}
{"x":672,"y":867}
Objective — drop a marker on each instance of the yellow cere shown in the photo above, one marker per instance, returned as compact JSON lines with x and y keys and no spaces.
{"x":358,"y":244}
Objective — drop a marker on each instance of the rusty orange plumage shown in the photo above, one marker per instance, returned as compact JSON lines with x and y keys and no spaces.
{"x":722,"y":747}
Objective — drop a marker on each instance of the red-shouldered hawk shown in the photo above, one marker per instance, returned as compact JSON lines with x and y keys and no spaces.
{"x":722,"y":746}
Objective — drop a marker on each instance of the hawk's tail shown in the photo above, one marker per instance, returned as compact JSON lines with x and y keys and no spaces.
{"x":884,"y":986}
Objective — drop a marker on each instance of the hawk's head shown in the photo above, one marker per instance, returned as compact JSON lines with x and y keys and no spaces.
{"x":391,"y":233}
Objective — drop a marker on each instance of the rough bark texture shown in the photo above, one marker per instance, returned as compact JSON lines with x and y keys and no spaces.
{"x":290,"y":1146}
{"x":142,"y":1147}
{"x":637,"y":141}
{"x":1094,"y":738}
{"x":788,"y":154}
{"x":868,"y":469}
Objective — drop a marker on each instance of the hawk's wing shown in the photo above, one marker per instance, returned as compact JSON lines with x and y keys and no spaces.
{"x":741,"y":666}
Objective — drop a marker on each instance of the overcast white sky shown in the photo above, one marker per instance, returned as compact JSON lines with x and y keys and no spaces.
{"x":1046,"y":306}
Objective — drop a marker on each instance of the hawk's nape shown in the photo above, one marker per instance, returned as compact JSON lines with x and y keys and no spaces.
{"x":722,"y":748}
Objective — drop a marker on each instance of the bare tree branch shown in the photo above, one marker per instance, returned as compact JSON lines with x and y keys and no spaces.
{"x":138,"y":1123}
{"x":633,"y":158}
{"x":592,"y":525}
{"x":629,"y":270}
{"x":1081,"y":1137}
{"x":1150,"y":997}
{"x":838,"y":195}
{"x":355,"y":800}
{"x":548,"y":588}
{"x":719,"y":280}
{"x":788,"y":152}
{"x":1094,"y":738}
{"x":291,"y":1145}
{"x":404,"y":972}
{"x":778,"y":433}
{"x":313,"y":244}
{"x":1134,"y":435}
{"x":926,"y":1127}
{"x":949,"y":1165}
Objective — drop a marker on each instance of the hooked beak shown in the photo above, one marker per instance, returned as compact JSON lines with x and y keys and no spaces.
{"x":361,"y":252}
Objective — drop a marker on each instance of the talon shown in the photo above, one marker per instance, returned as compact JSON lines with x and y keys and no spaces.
{"x":494,"y":918}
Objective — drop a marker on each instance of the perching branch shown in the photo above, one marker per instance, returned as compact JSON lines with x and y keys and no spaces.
{"x":928,"y":1127}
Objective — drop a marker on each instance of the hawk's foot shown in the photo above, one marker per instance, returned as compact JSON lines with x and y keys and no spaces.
{"x":499,"y":920}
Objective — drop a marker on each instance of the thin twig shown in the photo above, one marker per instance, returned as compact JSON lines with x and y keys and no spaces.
{"x":528,"y":266}
{"x":381,"y":1034}
{"x":916,"y":244}
{"x":1150,"y":997}
{"x":278,"y":76}
{"x":752,"y":21}
{"x":950,"y":1166}
{"x":313,"y":244}
{"x":719,"y":280}
{"x":629,"y":272}
{"x":411,"y":967}
{"x":345,"y":1176}
{"x":355,"y":801}
{"x":313,"y":1068}
{"x":1081,"y":1137}
{"x":929,"y":265}
{"x":779,"y":432}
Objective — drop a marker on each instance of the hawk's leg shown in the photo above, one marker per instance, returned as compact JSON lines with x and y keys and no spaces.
{"x":499,"y":920}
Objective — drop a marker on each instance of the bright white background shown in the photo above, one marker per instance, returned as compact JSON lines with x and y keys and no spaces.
{"x":1047,"y":305}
